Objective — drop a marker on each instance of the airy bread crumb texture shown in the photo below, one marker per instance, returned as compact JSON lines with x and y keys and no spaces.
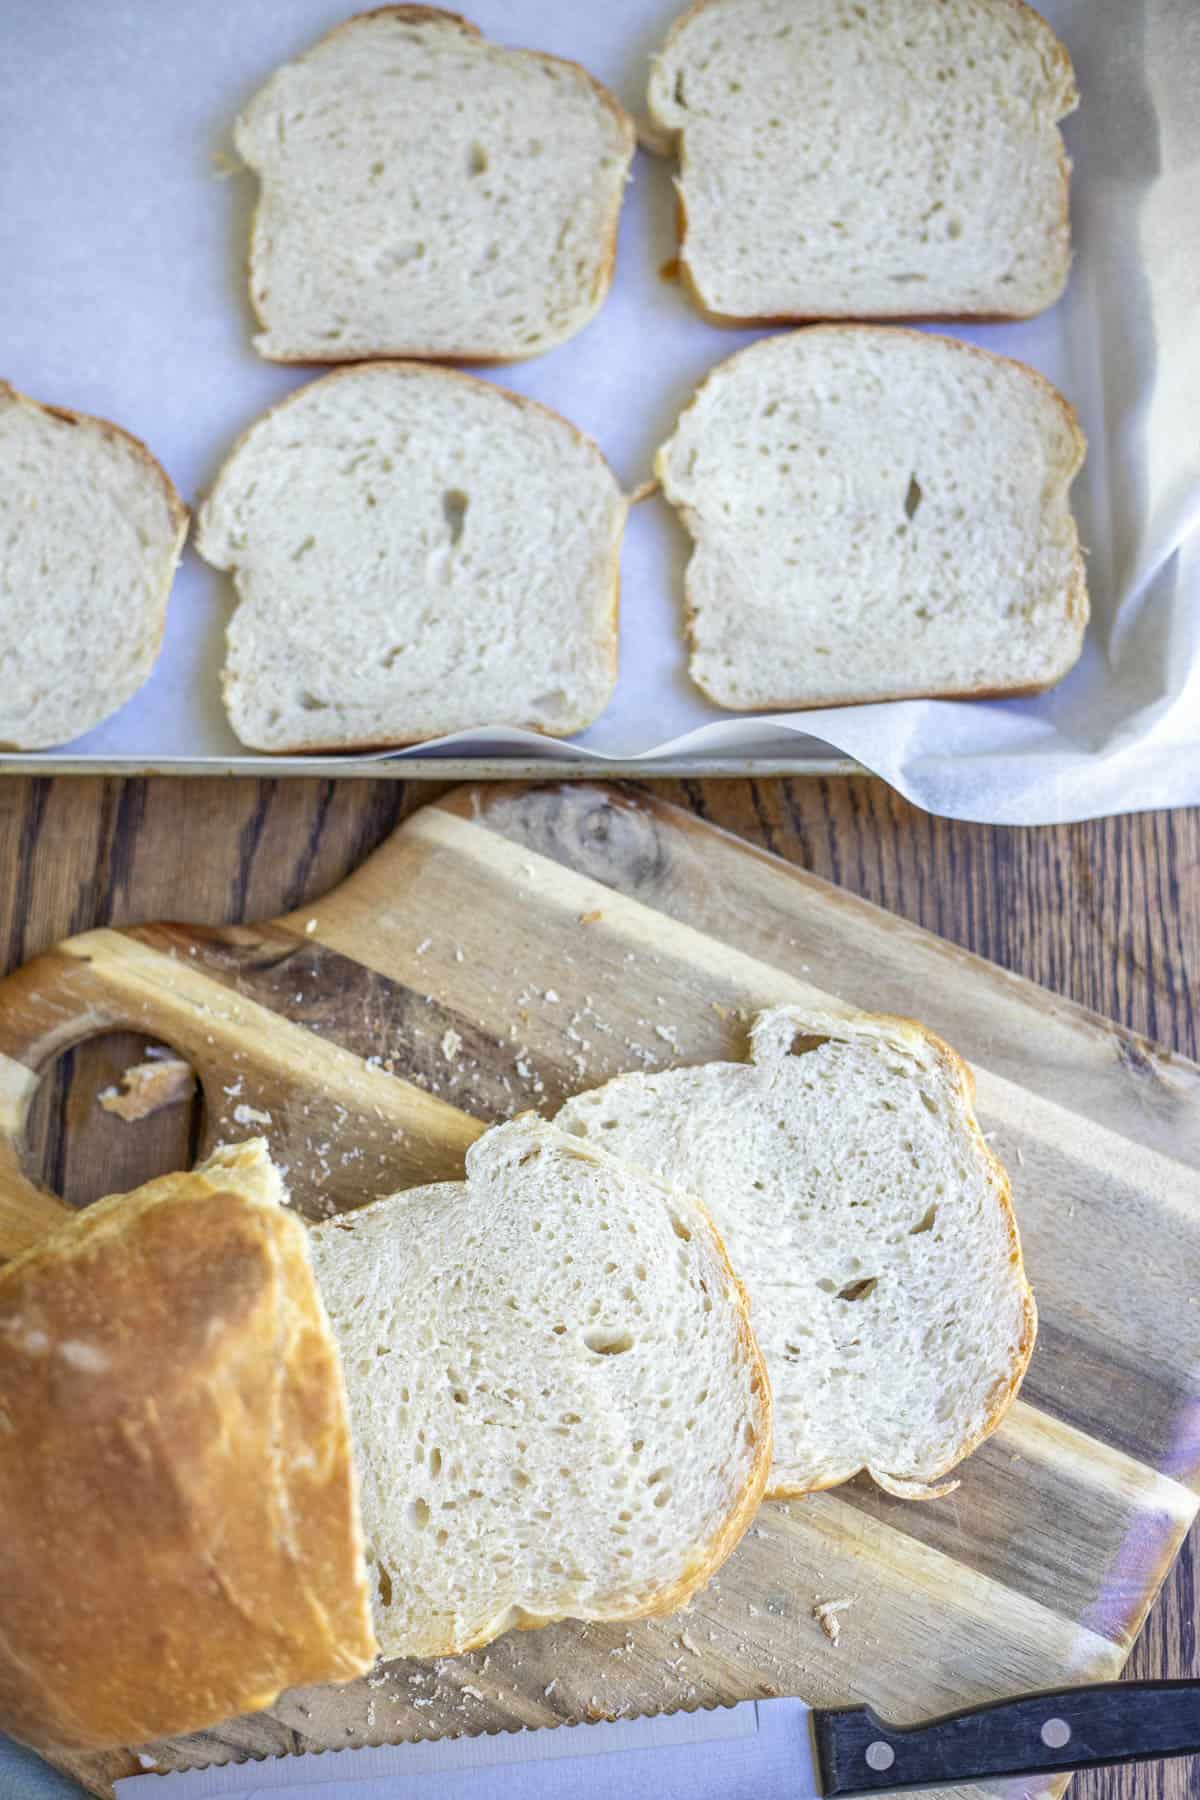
{"x":558,"y":1407}
{"x":878,"y":513}
{"x":91,"y":530}
{"x":426,"y":193}
{"x":416,"y":552}
{"x":900,"y":159}
{"x":871,"y":1224}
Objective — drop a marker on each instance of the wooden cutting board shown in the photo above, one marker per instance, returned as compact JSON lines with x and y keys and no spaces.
{"x":510,"y":946}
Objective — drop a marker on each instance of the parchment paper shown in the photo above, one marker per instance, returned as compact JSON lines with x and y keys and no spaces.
{"x":122,"y":292}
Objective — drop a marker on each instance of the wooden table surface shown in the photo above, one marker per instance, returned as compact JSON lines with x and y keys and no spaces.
{"x":1106,"y":913}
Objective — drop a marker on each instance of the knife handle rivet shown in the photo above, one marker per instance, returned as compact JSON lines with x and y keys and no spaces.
{"x":1056,"y":1734}
{"x":880,"y":1756}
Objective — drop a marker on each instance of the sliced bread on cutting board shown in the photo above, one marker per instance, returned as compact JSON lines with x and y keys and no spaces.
{"x":416,"y":552}
{"x":878,"y":514}
{"x":559,"y":1408}
{"x":427,"y":193}
{"x":873,"y":1228}
{"x":899,"y":159}
{"x":557,"y":1404}
{"x":91,"y":530}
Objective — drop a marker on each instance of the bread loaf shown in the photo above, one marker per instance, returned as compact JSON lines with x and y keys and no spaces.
{"x":557,"y":1403}
{"x":180,"y":1531}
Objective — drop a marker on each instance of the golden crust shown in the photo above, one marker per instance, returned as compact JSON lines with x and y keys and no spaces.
{"x":180,"y":1533}
{"x":665,"y":140}
{"x":522,"y":402}
{"x":1076,"y":598}
{"x":960,"y":1077}
{"x":419,"y":15}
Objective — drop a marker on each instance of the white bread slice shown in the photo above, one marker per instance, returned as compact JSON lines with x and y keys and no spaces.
{"x":871,"y":1224}
{"x":426,"y":193}
{"x":558,"y":1407}
{"x":878,"y":514}
{"x":416,"y":552}
{"x":91,"y":530}
{"x":894,"y":159}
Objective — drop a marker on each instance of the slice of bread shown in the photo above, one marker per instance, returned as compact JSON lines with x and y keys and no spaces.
{"x":426,"y":193}
{"x":878,"y":514}
{"x":181,"y":1537}
{"x":871,"y":1224}
{"x":91,"y":531}
{"x":558,"y":1406}
{"x":416,"y":552}
{"x":899,"y":159}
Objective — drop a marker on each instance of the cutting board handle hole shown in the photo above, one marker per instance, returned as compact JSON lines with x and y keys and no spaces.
{"x":78,"y":1150}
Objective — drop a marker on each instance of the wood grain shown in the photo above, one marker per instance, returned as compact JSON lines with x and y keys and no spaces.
{"x":1108,"y":914}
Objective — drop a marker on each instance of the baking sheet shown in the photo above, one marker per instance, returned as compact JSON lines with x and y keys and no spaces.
{"x":123,"y":293}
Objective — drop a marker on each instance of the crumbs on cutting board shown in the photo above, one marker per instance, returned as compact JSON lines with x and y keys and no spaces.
{"x":250,"y":1115}
{"x":148,"y":1087}
{"x":825,"y":1612}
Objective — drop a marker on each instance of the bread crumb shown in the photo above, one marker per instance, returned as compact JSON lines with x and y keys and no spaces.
{"x":826,"y":1614}
{"x":250,"y":1115}
{"x":551,"y":1687}
{"x":424,"y":945}
{"x":473,"y":1692}
{"x":551,"y":996}
{"x":590,"y":918}
{"x":451,"y":1045}
{"x":311,"y":927}
{"x":148,"y":1087}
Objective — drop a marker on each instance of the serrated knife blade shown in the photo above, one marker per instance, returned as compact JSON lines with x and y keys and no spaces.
{"x":759,"y":1750}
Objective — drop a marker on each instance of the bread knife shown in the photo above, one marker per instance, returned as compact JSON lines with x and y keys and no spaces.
{"x":759,"y":1750}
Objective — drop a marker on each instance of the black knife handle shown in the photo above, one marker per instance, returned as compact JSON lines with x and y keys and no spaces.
{"x":1036,"y":1734}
